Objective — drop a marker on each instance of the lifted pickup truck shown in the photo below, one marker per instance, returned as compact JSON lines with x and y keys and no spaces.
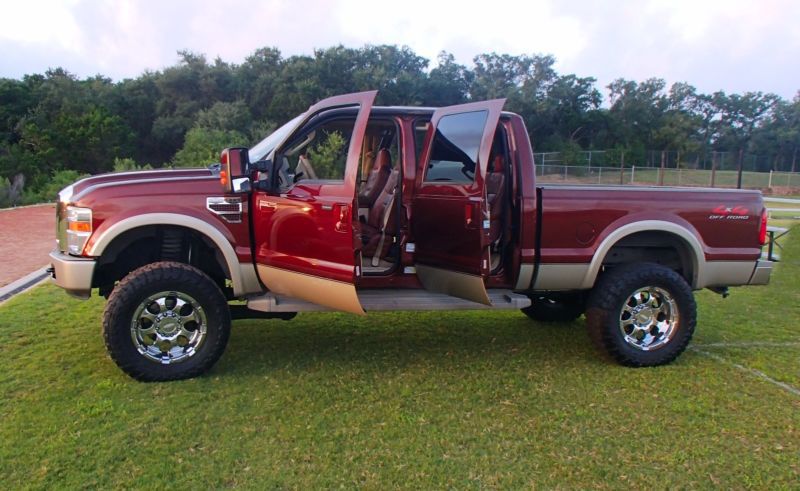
{"x":357,"y":208}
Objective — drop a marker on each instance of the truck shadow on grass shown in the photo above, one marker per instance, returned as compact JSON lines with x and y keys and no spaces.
{"x":396,"y":341}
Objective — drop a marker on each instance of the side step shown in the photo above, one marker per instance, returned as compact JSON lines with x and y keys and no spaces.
{"x":382,"y":300}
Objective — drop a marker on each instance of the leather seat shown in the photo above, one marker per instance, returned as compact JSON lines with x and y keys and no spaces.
{"x":376,"y":179}
{"x":495,"y":196}
{"x":377,"y":233}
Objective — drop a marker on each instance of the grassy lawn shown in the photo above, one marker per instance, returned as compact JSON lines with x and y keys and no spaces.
{"x":432,"y":400}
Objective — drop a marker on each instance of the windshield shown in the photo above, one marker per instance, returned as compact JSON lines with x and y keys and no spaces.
{"x":268,"y":144}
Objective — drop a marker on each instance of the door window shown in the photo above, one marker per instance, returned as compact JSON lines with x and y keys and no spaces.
{"x":317,"y":153}
{"x":454,"y":154}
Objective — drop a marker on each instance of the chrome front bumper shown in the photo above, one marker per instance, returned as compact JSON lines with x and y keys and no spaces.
{"x":73,"y":274}
{"x":761,"y":273}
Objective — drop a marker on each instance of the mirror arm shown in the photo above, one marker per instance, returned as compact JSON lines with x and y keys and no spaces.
{"x":261,"y":166}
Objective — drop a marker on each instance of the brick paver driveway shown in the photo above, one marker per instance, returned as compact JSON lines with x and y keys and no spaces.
{"x":29,"y":235}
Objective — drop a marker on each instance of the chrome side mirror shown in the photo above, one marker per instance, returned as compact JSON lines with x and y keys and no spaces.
{"x":241,"y":185}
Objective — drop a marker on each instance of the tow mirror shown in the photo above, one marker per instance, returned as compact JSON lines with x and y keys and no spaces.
{"x":234,"y":164}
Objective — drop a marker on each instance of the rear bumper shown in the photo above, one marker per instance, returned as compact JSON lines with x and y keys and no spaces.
{"x":73,"y":274}
{"x":761,"y":273}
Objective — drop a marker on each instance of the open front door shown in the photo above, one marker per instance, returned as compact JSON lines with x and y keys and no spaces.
{"x":305,"y":226}
{"x":450,"y":215}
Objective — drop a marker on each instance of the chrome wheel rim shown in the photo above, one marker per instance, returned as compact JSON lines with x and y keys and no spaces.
{"x":649,"y":318}
{"x":168,"y":327}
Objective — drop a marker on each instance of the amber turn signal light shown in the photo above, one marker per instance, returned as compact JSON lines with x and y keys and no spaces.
{"x":80,"y":226}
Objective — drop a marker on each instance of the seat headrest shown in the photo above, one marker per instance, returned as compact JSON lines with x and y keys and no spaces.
{"x":497,"y":164}
{"x":382,"y":160}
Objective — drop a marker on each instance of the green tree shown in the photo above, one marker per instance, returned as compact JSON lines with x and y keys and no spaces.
{"x":328,"y":156}
{"x":203,"y":146}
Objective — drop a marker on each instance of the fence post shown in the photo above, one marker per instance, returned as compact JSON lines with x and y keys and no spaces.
{"x":661,"y":169}
{"x":770,"y":179}
{"x":599,"y":175}
{"x":633,"y":170}
{"x":713,"y":167}
{"x":622,"y":168}
{"x":679,"y":176}
{"x":565,"y":173}
{"x":741,"y":164}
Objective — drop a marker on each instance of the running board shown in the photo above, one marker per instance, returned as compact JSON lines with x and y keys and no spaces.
{"x":383,"y":300}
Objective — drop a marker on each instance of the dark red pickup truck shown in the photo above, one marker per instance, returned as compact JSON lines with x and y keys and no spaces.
{"x":358,"y":208}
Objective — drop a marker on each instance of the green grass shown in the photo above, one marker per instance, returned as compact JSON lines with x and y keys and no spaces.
{"x":420,"y":401}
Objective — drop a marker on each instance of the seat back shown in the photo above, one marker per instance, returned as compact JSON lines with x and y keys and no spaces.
{"x":376,"y":179}
{"x":495,"y":194}
{"x":385,"y":199}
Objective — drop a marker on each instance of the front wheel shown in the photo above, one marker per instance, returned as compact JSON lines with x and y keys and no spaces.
{"x":641,"y":314}
{"x":166,"y":321}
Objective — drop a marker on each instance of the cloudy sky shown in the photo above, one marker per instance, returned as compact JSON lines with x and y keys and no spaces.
{"x":732,"y":45}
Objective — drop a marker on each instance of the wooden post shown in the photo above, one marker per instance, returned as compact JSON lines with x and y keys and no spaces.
{"x":741,"y":163}
{"x":713,"y":167}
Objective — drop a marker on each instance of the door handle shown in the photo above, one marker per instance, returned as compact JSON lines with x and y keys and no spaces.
{"x":304,"y":199}
{"x":471,"y":215}
{"x":269,"y":205}
{"x":343,"y":218}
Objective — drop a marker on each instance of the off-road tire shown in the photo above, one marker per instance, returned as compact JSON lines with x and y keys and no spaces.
{"x":134,"y":289}
{"x":610,"y":296}
{"x":556,"y":307}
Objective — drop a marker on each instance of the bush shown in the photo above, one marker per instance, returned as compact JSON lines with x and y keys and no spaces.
{"x":202,"y":146}
{"x":58,"y":181}
{"x":329,"y":156}
{"x":5,"y":193}
{"x":128,"y":164}
{"x":11,"y":191}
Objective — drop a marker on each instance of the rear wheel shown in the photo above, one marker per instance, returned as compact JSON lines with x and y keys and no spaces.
{"x":641,"y":314}
{"x":166,"y":321}
{"x":556,"y":307}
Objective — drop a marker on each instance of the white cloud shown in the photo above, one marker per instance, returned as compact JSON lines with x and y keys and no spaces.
{"x":41,"y":22}
{"x":735,"y":45}
{"x":465,"y":28}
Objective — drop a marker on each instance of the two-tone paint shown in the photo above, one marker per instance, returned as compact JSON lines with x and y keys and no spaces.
{"x":303,"y":240}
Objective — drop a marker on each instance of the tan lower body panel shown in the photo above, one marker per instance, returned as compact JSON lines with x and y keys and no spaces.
{"x":461,"y":285}
{"x":561,"y":277}
{"x":525,"y":277}
{"x":336,"y":295}
{"x":249,"y":281}
{"x":725,"y":273}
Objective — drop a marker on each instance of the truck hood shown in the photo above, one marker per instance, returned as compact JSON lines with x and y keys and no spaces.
{"x":81,"y":188}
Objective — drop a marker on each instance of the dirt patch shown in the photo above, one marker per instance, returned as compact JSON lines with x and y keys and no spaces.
{"x":29,"y":236}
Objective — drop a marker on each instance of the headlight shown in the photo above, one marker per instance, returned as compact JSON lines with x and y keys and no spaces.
{"x":79,"y":228}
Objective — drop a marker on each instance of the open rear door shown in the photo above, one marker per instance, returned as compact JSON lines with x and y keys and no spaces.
{"x":450,"y":215}
{"x":304,"y":232}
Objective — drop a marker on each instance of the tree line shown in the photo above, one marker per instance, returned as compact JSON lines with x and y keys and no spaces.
{"x":55,"y":127}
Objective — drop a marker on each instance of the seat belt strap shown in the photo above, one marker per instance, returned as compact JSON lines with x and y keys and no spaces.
{"x":376,"y":259}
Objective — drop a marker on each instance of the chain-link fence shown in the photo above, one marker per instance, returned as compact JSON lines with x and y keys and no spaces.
{"x":671,"y":159}
{"x":581,"y":174}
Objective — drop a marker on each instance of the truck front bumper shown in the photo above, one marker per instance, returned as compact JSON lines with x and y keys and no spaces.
{"x":73,"y":274}
{"x":761,"y":273}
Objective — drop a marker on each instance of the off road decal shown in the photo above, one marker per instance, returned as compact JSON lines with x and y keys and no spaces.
{"x":723,"y":212}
